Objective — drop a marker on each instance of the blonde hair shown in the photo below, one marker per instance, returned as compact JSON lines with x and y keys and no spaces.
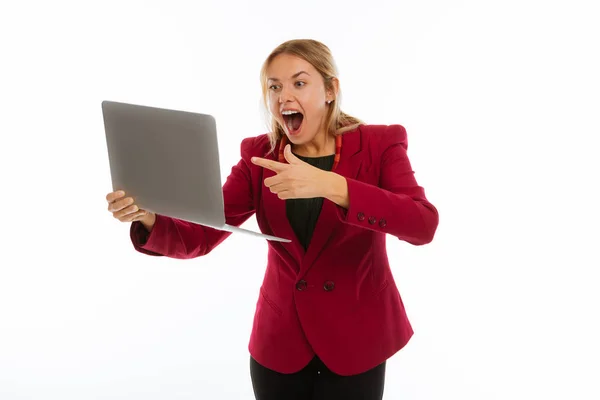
{"x":320,"y":57}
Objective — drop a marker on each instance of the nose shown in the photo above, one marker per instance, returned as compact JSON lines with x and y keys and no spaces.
{"x":285,"y":95}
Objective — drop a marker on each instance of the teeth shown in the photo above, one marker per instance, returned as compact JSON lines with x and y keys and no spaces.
{"x":289,"y":112}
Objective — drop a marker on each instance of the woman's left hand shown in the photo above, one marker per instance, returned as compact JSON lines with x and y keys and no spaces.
{"x":296,"y":180}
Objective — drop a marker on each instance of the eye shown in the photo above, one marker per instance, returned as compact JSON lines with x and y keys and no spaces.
{"x":300,"y":83}
{"x":274,"y":87}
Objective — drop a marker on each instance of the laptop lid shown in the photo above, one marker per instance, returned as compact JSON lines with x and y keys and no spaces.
{"x":167,"y":160}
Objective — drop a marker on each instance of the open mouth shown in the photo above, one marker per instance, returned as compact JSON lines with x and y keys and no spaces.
{"x":293,"y":121}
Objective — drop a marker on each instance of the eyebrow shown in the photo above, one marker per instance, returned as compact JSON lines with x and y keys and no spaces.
{"x":297,"y":74}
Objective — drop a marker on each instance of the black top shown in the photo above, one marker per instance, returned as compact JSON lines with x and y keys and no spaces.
{"x":303,"y":213}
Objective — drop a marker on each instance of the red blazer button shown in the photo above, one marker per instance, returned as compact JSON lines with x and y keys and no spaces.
{"x":372,"y":220}
{"x":360,"y":216}
{"x":382,"y":223}
{"x":301,"y":285}
{"x":328,"y":286}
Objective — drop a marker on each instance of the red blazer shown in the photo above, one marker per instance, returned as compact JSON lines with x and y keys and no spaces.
{"x":339,"y":299}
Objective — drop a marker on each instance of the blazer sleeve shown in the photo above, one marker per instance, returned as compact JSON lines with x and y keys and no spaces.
{"x":397,"y":205}
{"x":176,"y":238}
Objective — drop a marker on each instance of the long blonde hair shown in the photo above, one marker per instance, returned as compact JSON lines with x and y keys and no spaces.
{"x":320,"y":57}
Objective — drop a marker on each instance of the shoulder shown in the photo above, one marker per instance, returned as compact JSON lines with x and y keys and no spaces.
{"x":378,"y":138}
{"x":255,"y":146}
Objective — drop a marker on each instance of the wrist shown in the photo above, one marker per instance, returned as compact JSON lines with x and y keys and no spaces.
{"x":336,"y":189}
{"x":148,"y":221}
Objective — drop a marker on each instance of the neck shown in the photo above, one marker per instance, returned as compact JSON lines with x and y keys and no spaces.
{"x":322,"y":144}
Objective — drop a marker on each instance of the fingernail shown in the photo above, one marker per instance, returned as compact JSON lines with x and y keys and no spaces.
{"x":253,"y":159}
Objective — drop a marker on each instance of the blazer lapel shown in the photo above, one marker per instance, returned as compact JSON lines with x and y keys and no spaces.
{"x":276,"y":215}
{"x":349,"y":166}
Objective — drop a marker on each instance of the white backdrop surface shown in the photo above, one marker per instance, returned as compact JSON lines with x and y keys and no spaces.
{"x":500,"y":102}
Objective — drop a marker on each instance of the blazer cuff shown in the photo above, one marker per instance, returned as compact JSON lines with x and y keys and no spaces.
{"x":363,"y":210}
{"x":144,"y":241}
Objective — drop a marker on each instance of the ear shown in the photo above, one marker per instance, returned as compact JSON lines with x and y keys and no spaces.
{"x":332,"y":93}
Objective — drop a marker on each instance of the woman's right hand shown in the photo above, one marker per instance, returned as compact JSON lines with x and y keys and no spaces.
{"x":125,"y":210}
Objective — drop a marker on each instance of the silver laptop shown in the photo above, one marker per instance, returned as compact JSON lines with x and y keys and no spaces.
{"x":168,"y":161}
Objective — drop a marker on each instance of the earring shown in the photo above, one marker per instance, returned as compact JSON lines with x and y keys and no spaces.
{"x":329,"y":102}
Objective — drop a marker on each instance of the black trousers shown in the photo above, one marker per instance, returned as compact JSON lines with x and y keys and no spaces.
{"x":316,"y":382}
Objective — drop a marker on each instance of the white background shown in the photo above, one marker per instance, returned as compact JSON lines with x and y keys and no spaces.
{"x":501,"y":104}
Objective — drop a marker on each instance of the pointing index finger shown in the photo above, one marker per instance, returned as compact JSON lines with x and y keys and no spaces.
{"x":268,"y":164}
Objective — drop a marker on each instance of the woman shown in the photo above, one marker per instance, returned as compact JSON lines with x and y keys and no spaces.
{"x":329,"y":313}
